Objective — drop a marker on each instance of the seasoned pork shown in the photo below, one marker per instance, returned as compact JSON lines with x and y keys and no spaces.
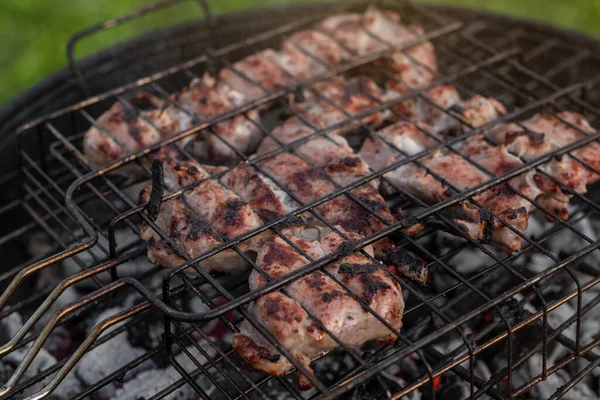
{"x":503,"y":200}
{"x":479,"y":110}
{"x":204,"y":217}
{"x":300,"y":315}
{"x":332,"y":102}
{"x":333,"y":158}
{"x":256,"y":75}
{"x":461,"y":174}
{"x":310,"y":184}
{"x":127,"y":128}
{"x":544,"y":133}
{"x":432,"y":107}
{"x":204,"y":100}
{"x":308,"y":53}
{"x":374,"y":31}
{"x":409,"y":138}
{"x":459,"y":117}
{"x":392,"y":143}
{"x":261,"y":193}
{"x":435,"y":111}
{"x":122,"y":131}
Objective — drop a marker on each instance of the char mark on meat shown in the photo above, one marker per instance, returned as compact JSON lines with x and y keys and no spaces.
{"x":300,"y":316}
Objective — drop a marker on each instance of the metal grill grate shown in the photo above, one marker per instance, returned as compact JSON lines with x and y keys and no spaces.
{"x":90,"y":221}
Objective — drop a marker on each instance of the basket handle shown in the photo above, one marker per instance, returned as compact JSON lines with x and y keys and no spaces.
{"x":91,"y":30}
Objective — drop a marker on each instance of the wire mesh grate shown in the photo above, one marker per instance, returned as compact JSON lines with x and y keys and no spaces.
{"x":527,"y":306}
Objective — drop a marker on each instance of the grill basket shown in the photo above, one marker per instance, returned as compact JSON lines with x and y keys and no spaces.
{"x":74,"y":262}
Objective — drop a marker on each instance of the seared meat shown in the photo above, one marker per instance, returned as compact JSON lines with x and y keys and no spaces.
{"x":265,"y":75}
{"x":333,"y":157}
{"x":202,"y":219}
{"x":310,"y":184}
{"x":368,"y":33}
{"x":123,"y":130}
{"x":191,"y":232}
{"x":315,"y":304}
{"x":432,"y":108}
{"x":435,"y":111}
{"x":336,"y":96}
{"x":479,"y":110}
{"x":353,"y":96}
{"x":460,"y":117}
{"x":461,"y":174}
{"x":319,"y":150}
{"x":204,"y":99}
{"x":262,"y":194}
{"x":501,"y":199}
{"x":304,"y":54}
{"x":544,"y":133}
{"x":410,"y":138}
{"x":445,"y":110}
{"x":415,"y":67}
{"x":308,"y":53}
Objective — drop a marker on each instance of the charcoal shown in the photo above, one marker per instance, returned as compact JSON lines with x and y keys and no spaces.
{"x":148,"y":383}
{"x":108,"y":356}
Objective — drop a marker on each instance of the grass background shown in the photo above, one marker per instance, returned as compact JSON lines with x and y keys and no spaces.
{"x":33,"y":33}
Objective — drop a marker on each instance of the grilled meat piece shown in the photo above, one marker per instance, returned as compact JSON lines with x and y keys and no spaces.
{"x":310,"y":184}
{"x":355,"y":96}
{"x":444,"y":111}
{"x":337,"y":101}
{"x":333,"y":157}
{"x":479,"y":110}
{"x":288,"y":132}
{"x":402,"y":138}
{"x":461,"y":174}
{"x":459,"y":117}
{"x":412,"y":68}
{"x":124,"y":130}
{"x":205,"y":217}
{"x":205,"y":100}
{"x":435,"y":111}
{"x":316,"y":304}
{"x":261,"y":193}
{"x":191,"y":232}
{"x":512,"y":207}
{"x":405,"y":136}
{"x":432,"y":107}
{"x":374,"y":31}
{"x":304,"y":55}
{"x":261,"y":75}
{"x":544,"y":133}
{"x":308,"y":53}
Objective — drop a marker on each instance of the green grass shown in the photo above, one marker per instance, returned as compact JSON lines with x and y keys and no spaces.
{"x":34,"y":32}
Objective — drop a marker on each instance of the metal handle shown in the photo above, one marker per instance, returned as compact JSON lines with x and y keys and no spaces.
{"x":73,"y":40}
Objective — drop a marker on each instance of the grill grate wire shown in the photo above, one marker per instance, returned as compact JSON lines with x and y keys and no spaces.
{"x":44,"y":196}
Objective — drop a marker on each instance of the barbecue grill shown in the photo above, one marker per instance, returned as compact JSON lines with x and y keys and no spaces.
{"x":84,"y":313}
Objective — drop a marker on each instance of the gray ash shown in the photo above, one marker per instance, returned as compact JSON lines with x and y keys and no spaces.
{"x":156,"y":374}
